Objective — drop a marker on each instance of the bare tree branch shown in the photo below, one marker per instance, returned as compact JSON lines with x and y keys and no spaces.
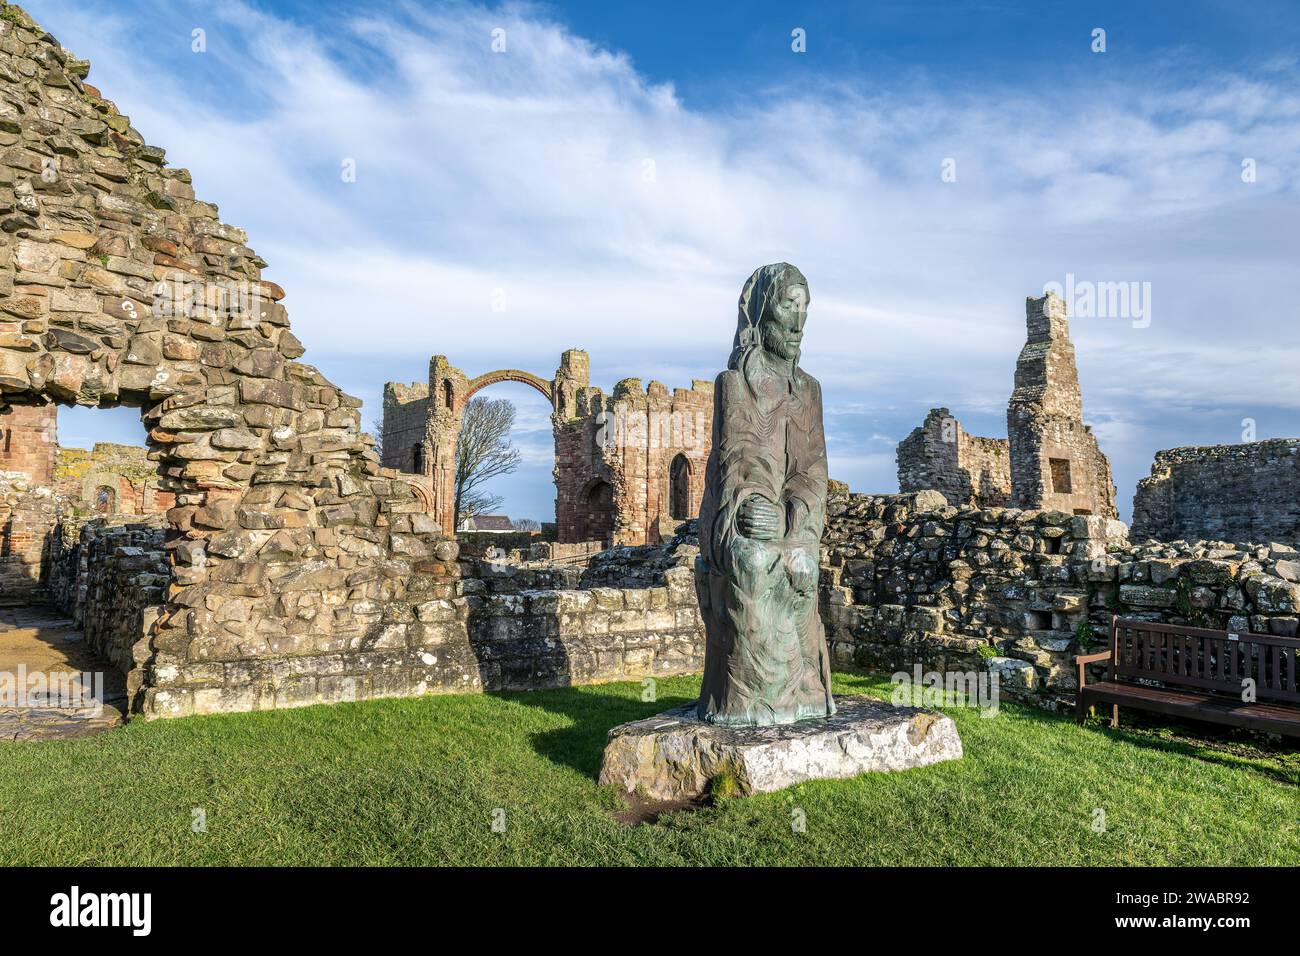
{"x":483,"y":452}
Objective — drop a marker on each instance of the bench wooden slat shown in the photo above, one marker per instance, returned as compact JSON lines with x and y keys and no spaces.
{"x":1203,"y":706}
{"x":1209,"y":666}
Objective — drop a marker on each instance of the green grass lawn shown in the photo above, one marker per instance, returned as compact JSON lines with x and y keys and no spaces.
{"x":418,"y":781}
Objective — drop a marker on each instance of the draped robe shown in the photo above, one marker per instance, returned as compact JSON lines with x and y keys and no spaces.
{"x":766,"y":660}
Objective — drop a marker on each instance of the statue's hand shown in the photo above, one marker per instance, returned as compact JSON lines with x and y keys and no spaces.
{"x":759,"y":519}
{"x":802,"y":570}
{"x":802,"y":580}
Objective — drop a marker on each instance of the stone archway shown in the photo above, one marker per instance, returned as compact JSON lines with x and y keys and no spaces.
{"x":437,"y":459}
{"x":544,"y":386}
{"x":628,"y":439}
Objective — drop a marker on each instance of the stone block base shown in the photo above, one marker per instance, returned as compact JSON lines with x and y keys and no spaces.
{"x":675,"y":756}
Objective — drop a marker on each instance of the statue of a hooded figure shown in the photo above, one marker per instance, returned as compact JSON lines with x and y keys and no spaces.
{"x":761,"y":519}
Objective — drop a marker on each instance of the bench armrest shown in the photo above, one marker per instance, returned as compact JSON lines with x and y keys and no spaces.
{"x":1083,"y":660}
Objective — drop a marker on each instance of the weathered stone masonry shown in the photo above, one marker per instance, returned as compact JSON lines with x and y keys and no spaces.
{"x":628,"y":467}
{"x":292,"y":569}
{"x":111,"y":479}
{"x":110,"y":576}
{"x":119,"y":287}
{"x":941,"y":456}
{"x":28,"y":441}
{"x":1050,"y":458}
{"x":526,"y":632}
{"x":28,"y":515}
{"x":1247,"y":492}
{"x":908,"y":579}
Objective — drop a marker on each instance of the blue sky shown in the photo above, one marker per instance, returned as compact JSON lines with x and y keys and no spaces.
{"x":614,"y":174}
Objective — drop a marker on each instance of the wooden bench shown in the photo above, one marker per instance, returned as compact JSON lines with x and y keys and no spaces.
{"x":1197,"y":673}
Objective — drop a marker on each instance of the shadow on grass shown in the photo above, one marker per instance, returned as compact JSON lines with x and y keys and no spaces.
{"x":1200,"y":740}
{"x":593,"y":713}
{"x":1207,"y":742}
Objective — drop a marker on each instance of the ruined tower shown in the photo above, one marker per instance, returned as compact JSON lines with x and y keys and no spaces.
{"x":1055,"y":460}
{"x":1051,"y":460}
{"x":629,"y":467}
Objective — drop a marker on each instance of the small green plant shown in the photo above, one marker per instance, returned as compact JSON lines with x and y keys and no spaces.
{"x":1083,"y":633}
{"x":988,"y":651}
{"x":725,"y":784}
{"x":1183,"y":602}
{"x":103,"y":259}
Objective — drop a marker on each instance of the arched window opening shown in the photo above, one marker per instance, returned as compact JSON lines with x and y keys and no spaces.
{"x":679,"y":489}
{"x":105,"y":500}
{"x":598,"y":512}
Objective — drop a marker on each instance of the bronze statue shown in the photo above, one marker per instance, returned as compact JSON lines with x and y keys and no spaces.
{"x":761,"y":519}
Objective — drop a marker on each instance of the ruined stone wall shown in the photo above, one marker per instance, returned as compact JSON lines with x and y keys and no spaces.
{"x":645,"y":565}
{"x":29,"y":440}
{"x":111,"y":479}
{"x":1050,"y":459}
{"x":656,"y":446}
{"x":288,"y":545}
{"x":628,"y":467}
{"x":1247,"y":492}
{"x":908,"y":579}
{"x":406,"y":419}
{"x":29,"y":514}
{"x":110,"y":575}
{"x":524,"y":639}
{"x":940,"y":455}
{"x":574,"y":551}
{"x":479,"y":543}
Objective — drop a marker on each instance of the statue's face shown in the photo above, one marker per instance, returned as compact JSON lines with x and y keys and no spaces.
{"x":783,"y":325}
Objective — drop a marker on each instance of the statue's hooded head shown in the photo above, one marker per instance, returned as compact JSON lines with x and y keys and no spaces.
{"x":773,"y":309}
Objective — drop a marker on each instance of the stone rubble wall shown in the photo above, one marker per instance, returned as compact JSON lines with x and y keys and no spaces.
{"x":644,"y":565}
{"x":554,"y":638}
{"x":908,"y":579}
{"x":1247,"y":492}
{"x":564,"y":551}
{"x":29,"y":514}
{"x":289,"y":548}
{"x":939,"y":455}
{"x":125,"y":470}
{"x":110,"y":575}
{"x":481,"y":543}
{"x":500,"y":627}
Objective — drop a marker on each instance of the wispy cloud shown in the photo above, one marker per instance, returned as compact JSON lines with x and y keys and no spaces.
{"x":510,"y":205}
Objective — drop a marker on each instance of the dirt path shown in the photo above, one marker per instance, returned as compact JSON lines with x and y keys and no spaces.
{"x":45,"y":646}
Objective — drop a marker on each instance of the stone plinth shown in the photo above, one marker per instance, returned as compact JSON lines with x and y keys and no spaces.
{"x":674,"y":755}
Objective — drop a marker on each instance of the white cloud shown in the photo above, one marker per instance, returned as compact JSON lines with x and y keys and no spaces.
{"x":523,"y":173}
